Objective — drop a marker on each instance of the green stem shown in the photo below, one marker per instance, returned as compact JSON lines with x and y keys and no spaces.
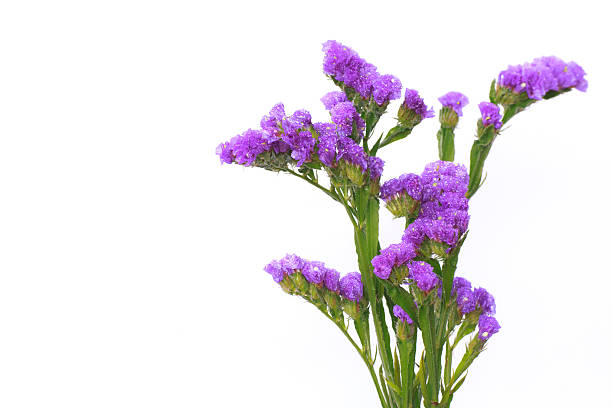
{"x":364,"y":357}
{"x":407,"y":350}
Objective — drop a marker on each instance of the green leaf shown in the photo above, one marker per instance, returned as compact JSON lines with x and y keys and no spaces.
{"x":492,"y":92}
{"x":426,"y":319}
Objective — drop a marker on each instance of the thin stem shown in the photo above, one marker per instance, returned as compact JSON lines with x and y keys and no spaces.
{"x":363,"y":357}
{"x":314,"y":183}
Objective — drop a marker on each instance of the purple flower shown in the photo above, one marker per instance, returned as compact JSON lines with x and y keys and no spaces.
{"x":351,"y":287}
{"x":330,"y":99}
{"x":352,"y":153}
{"x":224,"y":151}
{"x":466,"y":300}
{"x":337,"y":59}
{"x":302,"y":146}
{"x":314,"y":272}
{"x":490,"y":114}
{"x":275,"y":269}
{"x":332,"y":279}
{"x":271,"y":122}
{"x":291,"y":262}
{"x":454,"y":100}
{"x":415,"y":232}
{"x":423,"y":275}
{"x":345,"y":116}
{"x":392,"y":256}
{"x":487,"y":326}
{"x":441,"y":176}
{"x":460,"y":284}
{"x":415,"y":103}
{"x":542,"y":75}
{"x":485,"y":301}
{"x":386,"y":88}
{"x":401,"y":314}
{"x":406,"y":183}
{"x":249,"y":145}
{"x":375,"y":164}
{"x":326,"y":143}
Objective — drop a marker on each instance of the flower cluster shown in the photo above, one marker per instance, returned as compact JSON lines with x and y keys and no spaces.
{"x":452,"y":107}
{"x":402,"y":195}
{"x":345,"y":66}
{"x":477,"y":302}
{"x":315,"y":281}
{"x":394,"y":259}
{"x":543,"y":75}
{"x":443,"y":218}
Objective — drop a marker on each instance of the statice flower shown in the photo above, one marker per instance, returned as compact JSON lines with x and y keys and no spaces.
{"x":353,"y":158}
{"x":375,"y":165}
{"x":442,"y":176}
{"x":454,"y":100}
{"x":244,"y":148}
{"x":414,"y":102}
{"x":332,"y":279}
{"x":346,"y":118}
{"x":271,"y":122}
{"x":224,"y":151}
{"x":543,"y":75}
{"x":345,"y":66}
{"x":460,"y":284}
{"x":490,"y":114}
{"x":326,"y":143}
{"x":487,"y":326}
{"x":291,"y":263}
{"x":314,"y":272}
{"x":330,"y":99}
{"x":395,"y":255}
{"x":401,"y":314}
{"x":386,"y":88}
{"x":485,"y":301}
{"x":409,"y":184}
{"x":275,"y":269}
{"x":422,"y":274}
{"x":466,"y":300}
{"x":351,"y":287}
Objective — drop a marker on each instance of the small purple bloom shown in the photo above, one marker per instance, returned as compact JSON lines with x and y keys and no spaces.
{"x":466,"y":300}
{"x":490,"y":114}
{"x":314,"y":272}
{"x":351,"y":287}
{"x":460,"y":284}
{"x":455,"y":100}
{"x":224,"y":151}
{"x":375,"y":164}
{"x":386,"y":88}
{"x":326,"y":142}
{"x":401,"y":314}
{"x":271,"y":122}
{"x":487,"y":326}
{"x":345,"y":116}
{"x":414,"y":102}
{"x":330,"y":99}
{"x":275,"y":269}
{"x":406,"y":183}
{"x":248,"y":146}
{"x":332,"y":279}
{"x":423,"y":275}
{"x":486,"y":301}
{"x":291,"y":262}
{"x":352,"y":153}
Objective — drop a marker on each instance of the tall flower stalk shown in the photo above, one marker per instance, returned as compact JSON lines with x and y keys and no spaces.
{"x":409,"y":290}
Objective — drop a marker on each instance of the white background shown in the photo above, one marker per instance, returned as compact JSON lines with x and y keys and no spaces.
{"x":131,"y":261}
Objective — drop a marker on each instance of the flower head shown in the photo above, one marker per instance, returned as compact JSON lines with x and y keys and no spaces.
{"x":332,"y":279}
{"x":490,"y":114}
{"x":487,"y":326}
{"x":454,"y":100}
{"x":314,"y":272}
{"x":375,"y":165}
{"x":466,"y":300}
{"x":485,"y":301}
{"x":330,"y":99}
{"x":401,"y":314}
{"x":351,"y":287}
{"x":414,"y":104}
{"x":423,"y":275}
{"x":386,"y":88}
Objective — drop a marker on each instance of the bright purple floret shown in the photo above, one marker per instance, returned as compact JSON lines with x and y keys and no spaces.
{"x":466,"y":300}
{"x":423,"y":275}
{"x":460,"y":284}
{"x":414,"y":102}
{"x":224,"y":151}
{"x":291,"y":262}
{"x":490,"y":114}
{"x":485,"y":300}
{"x":271,"y":122}
{"x":351,"y":287}
{"x":246,"y":147}
{"x":376,"y":165}
{"x":332,"y":279}
{"x":487,"y":326}
{"x":401,"y":314}
{"x":386,"y":88}
{"x":392,"y":256}
{"x":542,"y":75}
{"x":455,"y":100}
{"x":314,"y":272}
{"x":330,"y":99}
{"x":346,"y":118}
{"x":406,"y":183}
{"x":275,"y":269}
{"x":352,"y":153}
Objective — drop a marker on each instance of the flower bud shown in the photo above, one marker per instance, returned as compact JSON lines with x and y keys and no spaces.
{"x":351,"y":308}
{"x":448,"y":117}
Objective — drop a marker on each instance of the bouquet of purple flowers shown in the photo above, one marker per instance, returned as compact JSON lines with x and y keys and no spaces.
{"x":410,"y":289}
